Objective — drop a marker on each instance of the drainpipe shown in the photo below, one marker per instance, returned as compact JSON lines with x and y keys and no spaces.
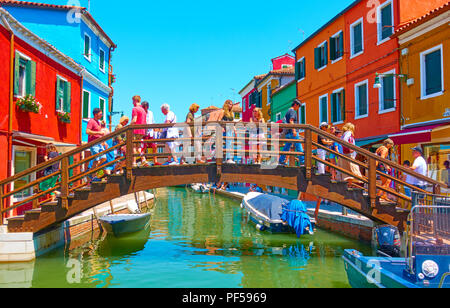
{"x":11,"y":95}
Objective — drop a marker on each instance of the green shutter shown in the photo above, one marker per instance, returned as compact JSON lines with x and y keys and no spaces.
{"x":343,"y":105}
{"x":388,"y":92}
{"x":303,"y":68}
{"x":317,"y":58}
{"x":16,"y":73}
{"x":59,"y":94}
{"x":433,"y":73}
{"x":357,"y":38}
{"x":341,"y":45}
{"x":333,"y":105}
{"x":67,"y":97}
{"x":325,"y":51}
{"x":86,"y":111}
{"x":324,"y":110}
{"x":30,"y":78}
{"x":386,"y":22}
{"x":297,"y":71}
{"x":303,"y":115}
{"x":333,"y":55}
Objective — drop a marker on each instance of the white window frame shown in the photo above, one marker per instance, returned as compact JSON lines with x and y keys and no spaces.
{"x":337,"y":91}
{"x":300,"y":60}
{"x":320,"y":108}
{"x":352,"y":26}
{"x":89,"y":56}
{"x":104,"y":106}
{"x":65,"y":80}
{"x":319,"y":46}
{"x":26,"y":58}
{"x":33,"y":151}
{"x":89,"y":104}
{"x":379,"y":24}
{"x":380,"y":93}
{"x":104,"y":61}
{"x":334,"y":36}
{"x":357,"y":85}
{"x":423,"y":83}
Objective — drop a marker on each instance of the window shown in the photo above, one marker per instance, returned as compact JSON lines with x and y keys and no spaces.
{"x":256,"y":99}
{"x":86,"y":104}
{"x":361,"y":100}
{"x":321,"y":56}
{"x":356,"y":38}
{"x":278,"y":117}
{"x":269,"y":94}
{"x":286,"y":66}
{"x":87,"y":47}
{"x":24,"y":76}
{"x":323,"y":108}
{"x":432,"y":72}
{"x":387,"y":93}
{"x":302,"y":114}
{"x":337,"y":46}
{"x":244,"y":104}
{"x":24,"y":158}
{"x":102,"y":106}
{"x":102,"y":60}
{"x":338,"y":106}
{"x":300,"y":69}
{"x":63,"y":94}
{"x":385,"y":22}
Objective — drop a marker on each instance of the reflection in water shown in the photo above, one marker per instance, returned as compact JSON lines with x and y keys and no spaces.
{"x":199,"y":241}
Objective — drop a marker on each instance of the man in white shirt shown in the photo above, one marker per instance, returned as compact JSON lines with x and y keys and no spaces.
{"x":420,"y":167}
{"x":170,"y":133}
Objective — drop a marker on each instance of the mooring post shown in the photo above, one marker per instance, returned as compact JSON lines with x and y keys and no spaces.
{"x":308,"y":153}
{"x":372,"y":181}
{"x":129,"y":155}
{"x":219,"y":150}
{"x":65,"y":183}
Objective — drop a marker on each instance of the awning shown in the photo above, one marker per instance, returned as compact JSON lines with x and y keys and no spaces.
{"x":35,"y":140}
{"x":366,"y":142}
{"x":420,"y":134}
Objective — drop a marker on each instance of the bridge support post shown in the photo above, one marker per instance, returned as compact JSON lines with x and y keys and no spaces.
{"x":308,"y":153}
{"x":219,"y":150}
{"x":129,"y":155}
{"x":2,"y":215}
{"x":372,"y":182}
{"x":65,"y":183}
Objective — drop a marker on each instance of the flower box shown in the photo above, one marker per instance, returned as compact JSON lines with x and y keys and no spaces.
{"x":28,"y":103}
{"x":64,"y":117}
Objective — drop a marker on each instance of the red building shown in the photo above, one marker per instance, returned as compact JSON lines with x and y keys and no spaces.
{"x":35,"y":70}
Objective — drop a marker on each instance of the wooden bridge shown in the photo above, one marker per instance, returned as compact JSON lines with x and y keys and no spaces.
{"x":77,"y":195}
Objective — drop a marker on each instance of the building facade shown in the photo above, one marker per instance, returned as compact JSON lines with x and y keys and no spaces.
{"x":74,"y":32}
{"x":35,"y":72}
{"x":425,"y":50}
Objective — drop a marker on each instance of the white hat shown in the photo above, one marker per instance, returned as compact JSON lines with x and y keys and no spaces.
{"x":324,"y":124}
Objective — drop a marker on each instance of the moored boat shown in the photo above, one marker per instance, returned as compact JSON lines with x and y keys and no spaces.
{"x":122,"y":224}
{"x":427,"y":264}
{"x":201,"y":188}
{"x":267,"y":213}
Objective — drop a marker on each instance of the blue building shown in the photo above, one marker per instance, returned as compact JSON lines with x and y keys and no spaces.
{"x":74,"y":32}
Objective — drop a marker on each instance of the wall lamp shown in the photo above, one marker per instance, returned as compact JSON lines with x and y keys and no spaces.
{"x":378,"y":85}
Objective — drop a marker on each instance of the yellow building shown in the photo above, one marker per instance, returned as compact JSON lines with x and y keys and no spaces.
{"x":425,"y":60}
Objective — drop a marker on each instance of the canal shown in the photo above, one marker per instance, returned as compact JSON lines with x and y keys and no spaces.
{"x":195,"y":241}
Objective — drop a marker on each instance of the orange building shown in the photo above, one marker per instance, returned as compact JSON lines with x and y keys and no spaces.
{"x":336,"y":67}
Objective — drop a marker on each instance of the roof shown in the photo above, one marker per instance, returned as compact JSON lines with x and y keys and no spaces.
{"x":422,"y":19}
{"x":29,"y":37}
{"x":277,"y":90}
{"x":82,"y":10}
{"x":281,"y":72}
{"x":327,"y":24}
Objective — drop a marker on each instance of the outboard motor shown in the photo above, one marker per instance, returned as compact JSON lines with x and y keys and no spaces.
{"x":386,"y":239}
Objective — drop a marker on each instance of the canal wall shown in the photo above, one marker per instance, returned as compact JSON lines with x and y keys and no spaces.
{"x":25,"y":247}
{"x":353,"y":226}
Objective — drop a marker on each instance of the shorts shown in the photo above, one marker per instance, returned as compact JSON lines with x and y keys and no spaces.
{"x":98,"y":148}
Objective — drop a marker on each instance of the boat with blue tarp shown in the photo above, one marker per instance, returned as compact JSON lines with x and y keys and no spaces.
{"x":427,"y":261}
{"x":277,"y":215}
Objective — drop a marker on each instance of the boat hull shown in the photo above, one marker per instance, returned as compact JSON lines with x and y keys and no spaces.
{"x":119,"y":225}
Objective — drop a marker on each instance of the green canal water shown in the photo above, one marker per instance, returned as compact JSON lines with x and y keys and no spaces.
{"x":196,"y":241}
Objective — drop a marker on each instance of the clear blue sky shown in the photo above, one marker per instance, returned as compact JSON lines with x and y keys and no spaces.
{"x":181,"y":52}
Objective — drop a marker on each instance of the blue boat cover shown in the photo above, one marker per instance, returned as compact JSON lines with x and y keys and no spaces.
{"x":271,"y":206}
{"x":295,"y":214}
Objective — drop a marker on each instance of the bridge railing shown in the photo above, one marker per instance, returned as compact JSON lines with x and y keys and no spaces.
{"x":216,"y":140}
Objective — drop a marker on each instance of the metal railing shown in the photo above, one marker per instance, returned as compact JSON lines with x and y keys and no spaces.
{"x":72,"y":176}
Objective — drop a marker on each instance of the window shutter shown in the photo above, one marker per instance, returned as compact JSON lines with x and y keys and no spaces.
{"x":67,"y":97}
{"x":297,"y":70}
{"x":333,"y":48}
{"x":433,"y":73}
{"x":324,"y":110}
{"x":333,"y":109}
{"x":59,"y":94}
{"x":303,"y":114}
{"x":341,"y":45}
{"x":303,"y":68}
{"x":16,"y":73}
{"x":31,"y":78}
{"x":343,"y":105}
{"x":388,"y":92}
{"x":86,"y":111}
{"x":316,"y":58}
{"x":325,"y":51}
{"x":357,"y":37}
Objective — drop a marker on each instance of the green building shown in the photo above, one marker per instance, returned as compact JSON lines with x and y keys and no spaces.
{"x":282,"y":99}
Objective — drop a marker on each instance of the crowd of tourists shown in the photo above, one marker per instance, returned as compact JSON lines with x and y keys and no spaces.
{"x":330,"y":152}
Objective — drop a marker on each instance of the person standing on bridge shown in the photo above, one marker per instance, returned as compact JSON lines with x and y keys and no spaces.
{"x":190,"y":132}
{"x":420,"y":167}
{"x":151,"y":133}
{"x":349,"y":136}
{"x":170,"y":133}
{"x":292,"y":118}
{"x":258,"y":134}
{"x":384,"y":152}
{"x":94,"y":131}
{"x":325,"y":142}
{"x":139,"y":117}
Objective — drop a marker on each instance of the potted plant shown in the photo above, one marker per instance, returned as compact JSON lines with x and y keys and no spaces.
{"x":28,"y":103}
{"x":64,"y":117}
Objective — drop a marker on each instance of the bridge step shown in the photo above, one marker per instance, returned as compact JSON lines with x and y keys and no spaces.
{"x":20,"y":218}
